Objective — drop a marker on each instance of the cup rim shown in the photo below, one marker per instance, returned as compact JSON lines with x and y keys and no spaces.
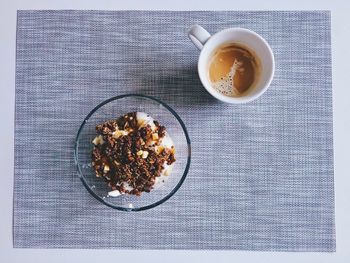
{"x":218,"y":95}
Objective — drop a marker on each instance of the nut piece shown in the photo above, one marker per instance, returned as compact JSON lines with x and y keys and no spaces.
{"x":139,"y":153}
{"x":98,"y":140}
{"x":159,"y":149}
{"x":144,"y":154}
{"x":155,"y":136}
{"x":119,"y":133}
{"x":140,"y":122}
{"x":106,"y":168}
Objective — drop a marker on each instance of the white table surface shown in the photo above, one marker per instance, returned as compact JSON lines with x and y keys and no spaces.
{"x":341,"y":108}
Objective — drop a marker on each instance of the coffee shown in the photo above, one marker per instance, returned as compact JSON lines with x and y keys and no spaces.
{"x":233,"y":69}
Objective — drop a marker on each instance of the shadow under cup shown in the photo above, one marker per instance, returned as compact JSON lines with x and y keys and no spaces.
{"x":252,"y":41}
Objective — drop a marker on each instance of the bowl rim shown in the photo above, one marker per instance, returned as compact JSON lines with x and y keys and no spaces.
{"x":177,"y":186}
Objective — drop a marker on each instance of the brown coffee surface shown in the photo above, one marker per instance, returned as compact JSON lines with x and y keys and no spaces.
{"x":235,"y":66}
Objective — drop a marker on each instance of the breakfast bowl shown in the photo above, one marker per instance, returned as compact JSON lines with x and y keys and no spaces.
{"x":111,"y":109}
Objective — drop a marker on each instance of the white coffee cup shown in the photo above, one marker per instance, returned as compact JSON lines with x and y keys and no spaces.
{"x":209,"y":43}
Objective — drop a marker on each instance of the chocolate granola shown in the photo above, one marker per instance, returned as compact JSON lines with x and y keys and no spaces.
{"x":128,"y":154}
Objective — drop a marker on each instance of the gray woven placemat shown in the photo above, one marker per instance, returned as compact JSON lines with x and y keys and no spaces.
{"x":262,"y":173}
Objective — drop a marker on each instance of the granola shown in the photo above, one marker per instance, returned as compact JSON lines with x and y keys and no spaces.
{"x":131,"y":152}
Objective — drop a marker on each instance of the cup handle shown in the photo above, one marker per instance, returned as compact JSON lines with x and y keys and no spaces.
{"x":198,"y":36}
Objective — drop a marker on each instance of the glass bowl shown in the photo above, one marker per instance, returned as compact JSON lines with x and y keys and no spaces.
{"x":112,"y":109}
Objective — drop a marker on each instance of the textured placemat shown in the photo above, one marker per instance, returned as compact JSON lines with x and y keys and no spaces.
{"x":262,"y":173}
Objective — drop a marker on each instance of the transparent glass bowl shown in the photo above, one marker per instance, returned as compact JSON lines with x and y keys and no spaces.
{"x":112,"y":109}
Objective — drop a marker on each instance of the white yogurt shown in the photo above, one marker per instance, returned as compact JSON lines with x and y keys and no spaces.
{"x":114,"y":193}
{"x":144,"y":119}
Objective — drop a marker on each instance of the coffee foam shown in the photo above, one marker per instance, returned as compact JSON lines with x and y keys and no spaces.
{"x":226,"y":84}
{"x":231,"y":84}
